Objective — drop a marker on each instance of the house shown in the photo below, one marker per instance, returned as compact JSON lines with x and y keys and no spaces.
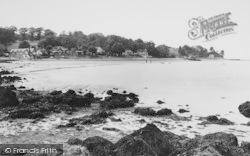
{"x":59,"y":51}
{"x":21,"y":53}
{"x":142,"y":53}
{"x":214,"y":54}
{"x":100,"y":51}
{"x":128,"y":53}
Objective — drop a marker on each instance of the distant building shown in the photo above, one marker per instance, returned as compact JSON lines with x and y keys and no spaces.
{"x":142,"y":53}
{"x":21,"y":53}
{"x":128,"y":53}
{"x":100,"y":51}
{"x":59,"y":51}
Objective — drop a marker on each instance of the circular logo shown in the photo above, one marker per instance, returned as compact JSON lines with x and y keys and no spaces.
{"x":7,"y":150}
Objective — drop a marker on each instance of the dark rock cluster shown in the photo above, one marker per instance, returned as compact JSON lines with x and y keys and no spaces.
{"x":151,"y":141}
{"x":32,"y":104}
{"x":212,"y":119}
{"x":150,"y":112}
{"x":117,"y":100}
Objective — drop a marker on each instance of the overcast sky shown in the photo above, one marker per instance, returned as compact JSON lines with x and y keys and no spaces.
{"x":160,"y":21}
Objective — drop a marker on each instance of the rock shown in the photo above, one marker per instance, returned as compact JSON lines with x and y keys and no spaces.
{"x":183,"y":111}
{"x":145,"y":111}
{"x":248,"y":123}
{"x":68,"y":125}
{"x":224,"y":121}
{"x":6,"y":72}
{"x":12,"y":87}
{"x":56,"y":93}
{"x":245,"y":146}
{"x":101,"y":114}
{"x":10,"y":79}
{"x":109,"y":92}
{"x":164,"y":111}
{"x":146,"y":141}
{"x":115,"y":119}
{"x":8,"y":98}
{"x":99,"y":146}
{"x":70,"y":92}
{"x":74,"y":141}
{"x":77,"y":101}
{"x":212,"y":118}
{"x":29,"y":113}
{"x":225,"y":138}
{"x":95,"y":118}
{"x":114,"y":103}
{"x":245,"y":109}
{"x":215,"y":120}
{"x":160,"y":102}
{"x":36,"y":115}
{"x":117,"y":100}
{"x":110,"y":129}
{"x":22,"y":87}
{"x":217,"y":144}
{"x":31,"y":99}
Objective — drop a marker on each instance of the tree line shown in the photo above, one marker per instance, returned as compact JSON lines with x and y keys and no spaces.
{"x":113,"y":45}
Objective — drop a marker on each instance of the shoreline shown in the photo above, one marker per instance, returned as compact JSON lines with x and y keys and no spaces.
{"x":92,"y":130}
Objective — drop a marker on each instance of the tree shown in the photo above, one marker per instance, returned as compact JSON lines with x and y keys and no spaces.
{"x":163,"y":50}
{"x":68,"y":41}
{"x":49,"y":41}
{"x":48,"y":32}
{"x":23,"y":33}
{"x":24,"y":44}
{"x":92,"y":50}
{"x":38,"y":33}
{"x":97,"y":39}
{"x":117,"y":49}
{"x":31,"y":33}
{"x":152,"y":51}
{"x":6,"y":36}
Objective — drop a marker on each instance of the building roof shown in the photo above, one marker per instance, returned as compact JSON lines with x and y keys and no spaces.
{"x":22,"y":50}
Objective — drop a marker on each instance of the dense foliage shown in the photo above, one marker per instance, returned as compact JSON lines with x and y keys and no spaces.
{"x":112,"y":44}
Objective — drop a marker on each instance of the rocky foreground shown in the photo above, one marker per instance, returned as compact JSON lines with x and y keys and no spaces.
{"x":150,"y":141}
{"x":21,"y":103}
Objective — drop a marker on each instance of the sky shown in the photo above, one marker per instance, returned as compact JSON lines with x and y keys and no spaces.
{"x":160,"y":21}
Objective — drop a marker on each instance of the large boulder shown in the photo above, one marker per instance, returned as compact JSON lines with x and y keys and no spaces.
{"x":245,"y":109}
{"x":98,"y":146}
{"x":164,"y":111}
{"x":8,"y":98}
{"x":145,"y":111}
{"x":117,"y":100}
{"x":148,"y":141}
{"x":215,"y":144}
